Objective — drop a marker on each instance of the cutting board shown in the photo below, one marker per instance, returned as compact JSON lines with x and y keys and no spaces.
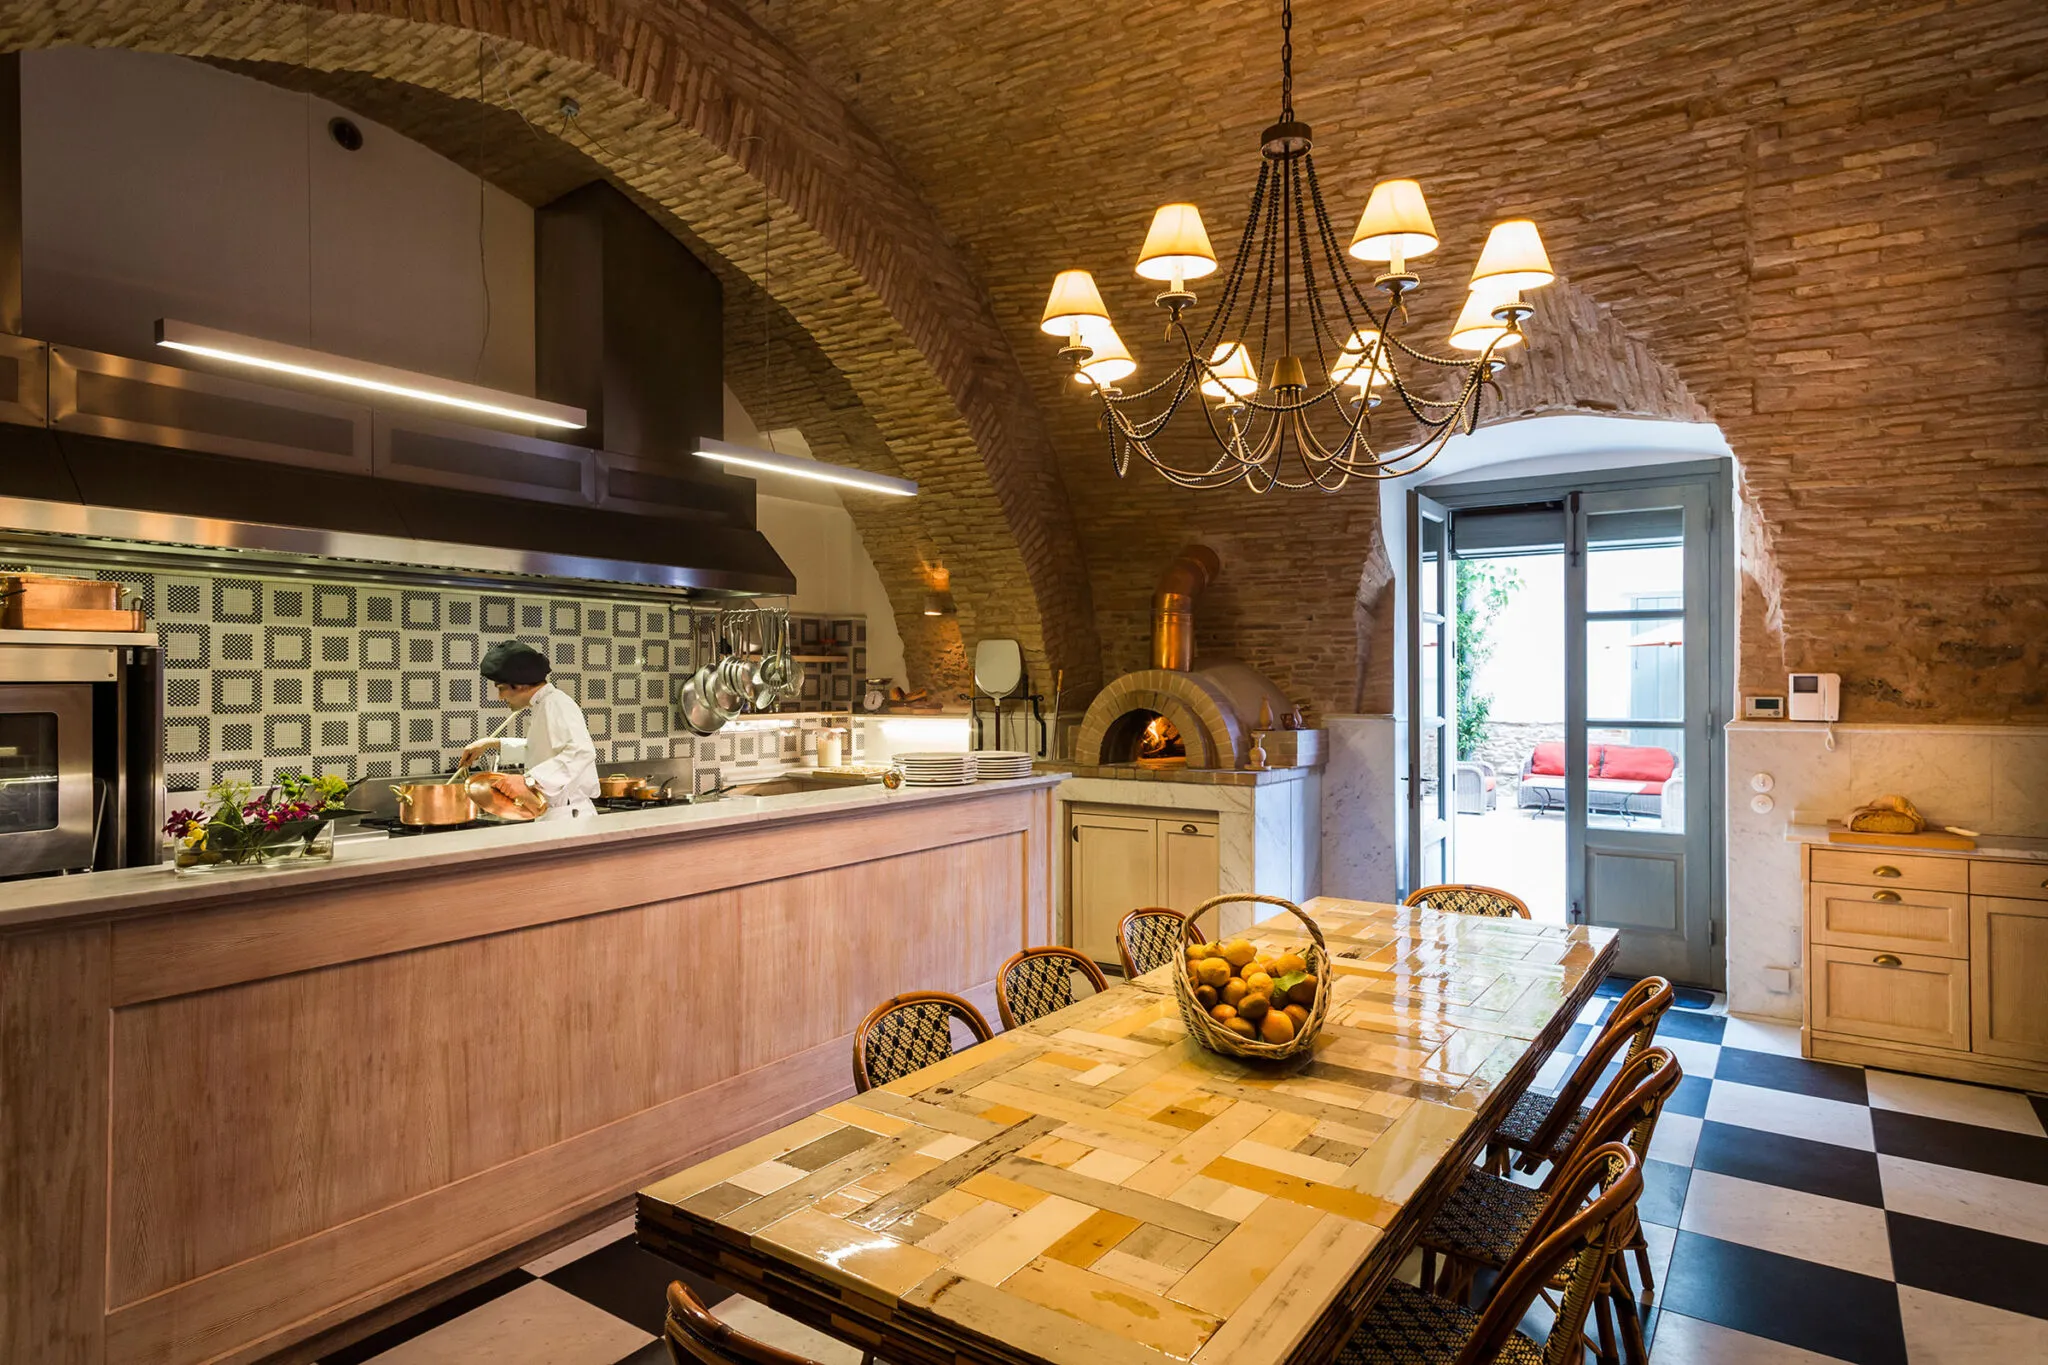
{"x":1933,"y":838}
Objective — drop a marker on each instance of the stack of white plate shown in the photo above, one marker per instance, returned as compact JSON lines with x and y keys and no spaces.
{"x":992,"y":765}
{"x":936,"y":770}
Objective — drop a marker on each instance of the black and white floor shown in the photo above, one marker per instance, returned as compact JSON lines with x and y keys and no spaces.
{"x":1797,"y":1214}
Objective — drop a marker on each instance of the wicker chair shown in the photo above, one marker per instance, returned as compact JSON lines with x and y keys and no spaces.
{"x":1487,"y":1216}
{"x":1540,"y":1127}
{"x":1578,"y":1227}
{"x":1149,"y":938}
{"x":1037,"y":981}
{"x":694,"y":1337}
{"x":1458,"y":898}
{"x":908,"y":1032}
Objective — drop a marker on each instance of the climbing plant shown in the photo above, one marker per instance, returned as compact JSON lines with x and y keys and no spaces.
{"x":1484,"y":591}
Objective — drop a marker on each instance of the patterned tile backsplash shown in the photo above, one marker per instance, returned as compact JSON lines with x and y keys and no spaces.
{"x":271,"y":675}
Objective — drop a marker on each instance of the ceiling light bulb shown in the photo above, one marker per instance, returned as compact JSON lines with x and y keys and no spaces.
{"x":1177,"y":247}
{"x":1111,"y":360}
{"x":1074,"y":303}
{"x":1514,"y":259}
{"x":1395,"y":225}
{"x":1231,"y":374}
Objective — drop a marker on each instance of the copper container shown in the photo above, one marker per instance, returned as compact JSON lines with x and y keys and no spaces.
{"x":494,"y":803}
{"x":434,"y":803}
{"x":41,"y":602}
{"x":616,"y":786}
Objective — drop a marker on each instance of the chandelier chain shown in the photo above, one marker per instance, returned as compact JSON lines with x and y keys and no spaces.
{"x":1286,"y":61}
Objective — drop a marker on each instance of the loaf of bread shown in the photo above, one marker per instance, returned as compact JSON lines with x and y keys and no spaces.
{"x":1887,"y":815}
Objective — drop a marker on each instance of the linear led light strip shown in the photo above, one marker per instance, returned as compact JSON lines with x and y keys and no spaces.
{"x":768,"y":461}
{"x":361,"y":374}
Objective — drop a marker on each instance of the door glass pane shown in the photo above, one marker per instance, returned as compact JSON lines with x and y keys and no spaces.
{"x":1432,"y":872}
{"x":1635,"y":561}
{"x":1432,"y":558}
{"x":1432,"y":671}
{"x":1432,"y":770}
{"x":1635,"y":670}
{"x":28,"y":771}
{"x":1635,"y":778}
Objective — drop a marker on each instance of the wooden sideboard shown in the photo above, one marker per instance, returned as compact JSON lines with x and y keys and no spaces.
{"x":1928,"y":962}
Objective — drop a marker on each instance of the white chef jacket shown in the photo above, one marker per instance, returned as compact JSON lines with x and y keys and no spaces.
{"x":561,"y":762}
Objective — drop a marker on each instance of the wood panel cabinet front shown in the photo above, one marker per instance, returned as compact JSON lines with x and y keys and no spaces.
{"x":1115,"y":870}
{"x":1899,"y":997}
{"x":2009,"y":977}
{"x":2022,"y":881}
{"x":1883,"y":867}
{"x":1881,"y":918}
{"x":1188,"y":867}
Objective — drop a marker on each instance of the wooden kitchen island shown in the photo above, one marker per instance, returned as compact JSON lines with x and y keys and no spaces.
{"x":240,"y":1110}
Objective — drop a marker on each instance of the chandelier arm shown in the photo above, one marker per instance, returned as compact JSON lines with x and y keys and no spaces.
{"x":1317,"y":326}
{"x":1343,"y":261}
{"x":1216,"y":330}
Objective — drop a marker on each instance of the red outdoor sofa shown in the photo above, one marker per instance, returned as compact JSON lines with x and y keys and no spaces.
{"x":1621,"y":779}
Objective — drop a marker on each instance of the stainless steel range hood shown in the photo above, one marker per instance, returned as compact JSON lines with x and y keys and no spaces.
{"x":136,"y":461}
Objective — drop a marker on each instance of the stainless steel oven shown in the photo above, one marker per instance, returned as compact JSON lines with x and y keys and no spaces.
{"x":81,"y":769}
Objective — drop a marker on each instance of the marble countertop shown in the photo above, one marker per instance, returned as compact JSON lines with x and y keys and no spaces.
{"x":145,"y":889}
{"x":1201,"y":777}
{"x":1094,"y":1187}
{"x":1988,"y":845}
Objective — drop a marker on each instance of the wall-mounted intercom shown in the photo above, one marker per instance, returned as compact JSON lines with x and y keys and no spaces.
{"x":1815,"y":696}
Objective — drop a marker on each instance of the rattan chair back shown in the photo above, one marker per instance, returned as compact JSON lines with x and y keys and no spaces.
{"x":1149,"y":938}
{"x":1627,"y":1111}
{"x":1632,"y":1025}
{"x":1586,"y":1217}
{"x":909,"y":1032}
{"x":1038,"y":981}
{"x":1465,"y":898}
{"x":695,"y":1337}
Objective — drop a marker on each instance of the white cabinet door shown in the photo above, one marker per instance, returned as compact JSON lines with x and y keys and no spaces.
{"x":1115,"y":861}
{"x":1187,"y":864}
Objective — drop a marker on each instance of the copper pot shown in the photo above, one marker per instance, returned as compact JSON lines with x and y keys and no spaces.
{"x":434,"y":803}
{"x":495,"y":804}
{"x":616,"y":786}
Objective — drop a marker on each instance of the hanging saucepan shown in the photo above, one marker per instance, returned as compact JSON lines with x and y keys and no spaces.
{"x":498,"y":806}
{"x":693,"y":704}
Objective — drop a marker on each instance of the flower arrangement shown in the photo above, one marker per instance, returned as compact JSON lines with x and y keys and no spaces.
{"x":238,"y":828}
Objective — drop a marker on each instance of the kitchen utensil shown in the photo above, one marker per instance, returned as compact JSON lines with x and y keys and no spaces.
{"x":434,"y":803}
{"x":694,"y":707}
{"x":615,"y":786}
{"x":495,"y":804}
{"x":998,"y":667}
{"x":646,"y":791}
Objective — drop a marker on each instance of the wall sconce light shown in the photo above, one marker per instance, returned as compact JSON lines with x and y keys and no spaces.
{"x":939,"y":603}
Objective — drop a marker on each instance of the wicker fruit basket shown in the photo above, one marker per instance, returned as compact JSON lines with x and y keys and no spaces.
{"x":1205,"y":1029}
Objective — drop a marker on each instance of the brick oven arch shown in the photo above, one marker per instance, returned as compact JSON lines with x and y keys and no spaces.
{"x":694,"y":110}
{"x":1202,"y":712}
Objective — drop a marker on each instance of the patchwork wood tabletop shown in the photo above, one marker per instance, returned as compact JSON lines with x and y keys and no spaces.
{"x":1097,"y":1188}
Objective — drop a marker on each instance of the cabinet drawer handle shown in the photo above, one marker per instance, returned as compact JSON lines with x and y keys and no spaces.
{"x":1190,"y":829}
{"x":1887,"y":960}
{"x":1885,"y":870}
{"x":1884,"y":895}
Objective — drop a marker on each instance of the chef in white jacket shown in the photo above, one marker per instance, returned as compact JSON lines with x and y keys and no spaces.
{"x":561,"y":762}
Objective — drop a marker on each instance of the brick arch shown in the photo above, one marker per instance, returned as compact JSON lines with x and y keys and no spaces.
{"x":1200,"y":710}
{"x":694,"y":109}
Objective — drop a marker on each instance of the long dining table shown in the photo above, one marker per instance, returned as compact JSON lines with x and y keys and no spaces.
{"x":1095,"y":1188}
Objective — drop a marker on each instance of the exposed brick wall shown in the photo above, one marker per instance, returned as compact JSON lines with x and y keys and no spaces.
{"x":694,"y":108}
{"x":1825,"y":218}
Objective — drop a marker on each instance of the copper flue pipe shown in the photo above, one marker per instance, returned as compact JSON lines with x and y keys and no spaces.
{"x":1173,"y":606}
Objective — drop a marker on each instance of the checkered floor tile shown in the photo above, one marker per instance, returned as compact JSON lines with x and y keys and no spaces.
{"x":1797,"y":1213}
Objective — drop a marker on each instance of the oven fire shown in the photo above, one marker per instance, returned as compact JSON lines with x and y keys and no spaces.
{"x":1160,"y":746}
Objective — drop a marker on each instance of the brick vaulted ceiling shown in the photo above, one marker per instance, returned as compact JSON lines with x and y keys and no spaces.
{"x":1824,"y":225}
{"x":1829,"y":219}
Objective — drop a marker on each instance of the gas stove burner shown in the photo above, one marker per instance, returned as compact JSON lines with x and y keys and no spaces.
{"x":397,"y":828}
{"x":607,"y":805}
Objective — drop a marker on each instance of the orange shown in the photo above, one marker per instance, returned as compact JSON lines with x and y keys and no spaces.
{"x":1233,"y":992}
{"x":1298,"y":1015}
{"x":1222,"y":1013}
{"x":1207,"y":995}
{"x":1254,"y":1007}
{"x":1239,"y":1026}
{"x":1276,"y":1027}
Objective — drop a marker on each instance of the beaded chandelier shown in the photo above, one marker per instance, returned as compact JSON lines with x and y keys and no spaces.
{"x":1263,"y":422}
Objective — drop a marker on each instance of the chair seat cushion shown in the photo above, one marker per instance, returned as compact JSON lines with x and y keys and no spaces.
{"x":1518,"y":1129}
{"x":1410,"y":1327}
{"x":1483,"y":1220}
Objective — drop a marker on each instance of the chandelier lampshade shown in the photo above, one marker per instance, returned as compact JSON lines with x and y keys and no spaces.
{"x":1396,"y":224}
{"x":1274,"y":319}
{"x":1514,"y":258}
{"x":1477,"y":329}
{"x":1232,"y":376}
{"x":1074,"y":306}
{"x":1362,"y":362}
{"x":1111,"y":360}
{"x":1177,"y":247}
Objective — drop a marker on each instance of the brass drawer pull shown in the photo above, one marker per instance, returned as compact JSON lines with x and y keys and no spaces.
{"x":1887,"y":960}
{"x":1885,"y":895}
{"x":1885,"y":870}
{"x":1190,"y":829}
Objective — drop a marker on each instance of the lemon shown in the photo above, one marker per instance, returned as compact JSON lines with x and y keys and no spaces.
{"x":1239,"y":951}
{"x":1276,"y":1027}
